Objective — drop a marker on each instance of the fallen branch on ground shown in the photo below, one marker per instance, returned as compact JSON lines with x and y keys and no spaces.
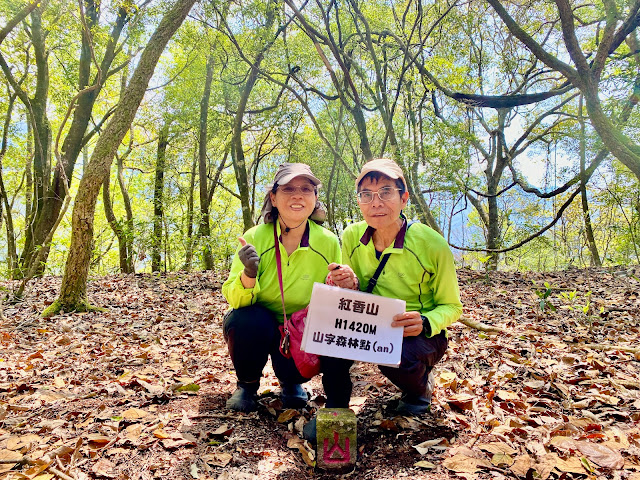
{"x":606,"y":348}
{"x":483,"y":327}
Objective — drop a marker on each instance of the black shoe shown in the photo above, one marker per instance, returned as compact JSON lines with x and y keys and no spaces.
{"x":414,"y":406}
{"x":244,"y":398}
{"x":417,"y":405}
{"x":294,"y":396}
{"x":309,"y":431}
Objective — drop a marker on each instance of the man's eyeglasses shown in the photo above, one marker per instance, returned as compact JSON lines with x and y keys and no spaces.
{"x":303,"y":189}
{"x":385,"y":194}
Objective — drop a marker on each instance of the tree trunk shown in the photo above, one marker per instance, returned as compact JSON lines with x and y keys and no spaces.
{"x":28,"y":176}
{"x":237,"y":151}
{"x":585,"y":73}
{"x":41,"y":129}
{"x":51,"y":203}
{"x":204,"y":231}
{"x":415,"y":192}
{"x":129,"y":233}
{"x":115,"y":225}
{"x":188,"y":258}
{"x":591,"y":242}
{"x":158,"y":205}
{"x":4,"y":196}
{"x":73,"y":291}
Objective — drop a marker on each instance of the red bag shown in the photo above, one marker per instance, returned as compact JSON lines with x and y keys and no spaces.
{"x":308,"y":364}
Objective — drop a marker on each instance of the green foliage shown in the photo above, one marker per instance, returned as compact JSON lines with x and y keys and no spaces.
{"x":294,"y":114}
{"x":544,"y":294}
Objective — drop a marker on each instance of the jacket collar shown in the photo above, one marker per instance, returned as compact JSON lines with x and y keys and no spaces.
{"x":304,"y":241}
{"x":399,"y":241}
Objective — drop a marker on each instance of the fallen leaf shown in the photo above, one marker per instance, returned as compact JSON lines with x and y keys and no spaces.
{"x":218,"y":459}
{"x":570,"y":465}
{"x":424,"y":464}
{"x":522,"y":465}
{"x":502,"y":460}
{"x":497,"y":447}
{"x":446,"y":379}
{"x":6,"y":456}
{"x":463,"y":401}
{"x":423,"y":447}
{"x":601,"y":455}
{"x":463,"y":464}
{"x":307,"y":455}
{"x":133,"y":432}
{"x":97,"y":440}
{"x":104,"y":468}
{"x":293,"y":442}
{"x":223,"y":430}
{"x":134,"y":414}
{"x":507,"y":395}
{"x":287,"y":415}
{"x":189,"y":387}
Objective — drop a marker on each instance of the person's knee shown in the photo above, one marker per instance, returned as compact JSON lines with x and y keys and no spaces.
{"x":253,"y":321}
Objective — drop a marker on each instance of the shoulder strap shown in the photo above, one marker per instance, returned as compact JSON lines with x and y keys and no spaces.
{"x":285,"y":340}
{"x":374,"y":279}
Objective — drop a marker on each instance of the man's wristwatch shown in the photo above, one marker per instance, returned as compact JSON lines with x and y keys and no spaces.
{"x":426,"y":326}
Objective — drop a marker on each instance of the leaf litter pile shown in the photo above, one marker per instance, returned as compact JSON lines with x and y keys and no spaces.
{"x":545,"y":385}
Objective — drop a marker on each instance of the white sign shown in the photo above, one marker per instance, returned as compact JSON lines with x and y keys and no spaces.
{"x":351,"y":324}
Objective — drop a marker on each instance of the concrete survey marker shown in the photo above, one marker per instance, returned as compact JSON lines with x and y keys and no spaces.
{"x":337,"y":438}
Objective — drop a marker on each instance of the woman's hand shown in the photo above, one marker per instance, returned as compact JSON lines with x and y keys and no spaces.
{"x":410,"y":321}
{"x":249,"y":258}
{"x":342,"y":276}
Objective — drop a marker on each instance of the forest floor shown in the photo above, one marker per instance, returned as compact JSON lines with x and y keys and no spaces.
{"x":138,"y":392}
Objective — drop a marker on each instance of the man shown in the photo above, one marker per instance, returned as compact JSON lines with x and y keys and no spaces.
{"x":419,"y":269}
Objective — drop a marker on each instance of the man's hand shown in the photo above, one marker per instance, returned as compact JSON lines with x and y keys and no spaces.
{"x":249,"y":258}
{"x":342,"y":276}
{"x":410,"y":321}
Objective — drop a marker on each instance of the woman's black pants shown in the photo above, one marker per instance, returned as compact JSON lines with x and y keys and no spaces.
{"x":252,"y":335}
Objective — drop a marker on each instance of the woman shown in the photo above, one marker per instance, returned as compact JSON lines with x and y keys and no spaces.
{"x":253,"y":291}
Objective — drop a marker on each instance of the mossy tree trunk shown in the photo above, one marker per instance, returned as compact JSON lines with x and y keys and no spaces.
{"x":73,"y":291}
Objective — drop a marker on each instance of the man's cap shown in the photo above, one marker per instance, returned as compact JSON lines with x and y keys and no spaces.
{"x":384,"y":166}
{"x":288,"y":171}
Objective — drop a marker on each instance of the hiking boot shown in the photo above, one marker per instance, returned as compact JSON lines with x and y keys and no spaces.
{"x":414,"y":406}
{"x":417,"y":405}
{"x":309,"y":431}
{"x":244,"y":399}
{"x":293,"y":396}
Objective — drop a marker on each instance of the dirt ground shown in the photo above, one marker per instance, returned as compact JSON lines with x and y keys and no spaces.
{"x":552,"y":390}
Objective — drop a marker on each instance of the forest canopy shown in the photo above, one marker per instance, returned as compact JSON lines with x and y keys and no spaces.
{"x":156,"y":126}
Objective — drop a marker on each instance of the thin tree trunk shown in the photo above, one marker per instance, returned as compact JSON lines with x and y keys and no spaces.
{"x":415,"y":192}
{"x":115,"y":225}
{"x":192,"y":187}
{"x":28,"y":175}
{"x":73,"y":291}
{"x":204,"y":231}
{"x":41,"y":129}
{"x":126,"y":200}
{"x":4,"y":196}
{"x":591,"y":242}
{"x":158,"y":201}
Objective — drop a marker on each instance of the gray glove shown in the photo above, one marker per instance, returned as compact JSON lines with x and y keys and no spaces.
{"x":250,"y":259}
